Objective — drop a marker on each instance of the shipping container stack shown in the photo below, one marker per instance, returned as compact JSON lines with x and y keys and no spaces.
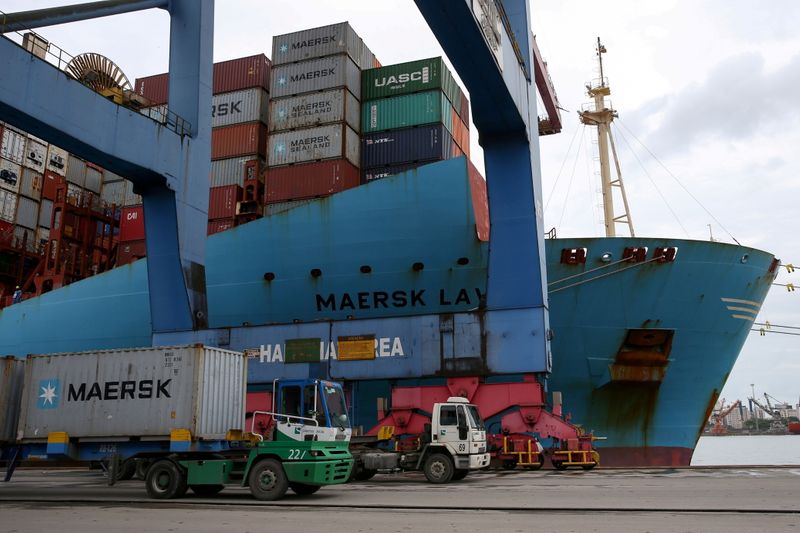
{"x":239,"y":116}
{"x":314,"y":118}
{"x":413,"y":113}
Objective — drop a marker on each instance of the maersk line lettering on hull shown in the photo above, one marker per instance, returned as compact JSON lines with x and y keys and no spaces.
{"x":395,"y":299}
{"x":384,"y":347}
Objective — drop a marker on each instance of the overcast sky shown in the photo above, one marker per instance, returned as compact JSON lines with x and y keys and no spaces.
{"x":709,"y":87}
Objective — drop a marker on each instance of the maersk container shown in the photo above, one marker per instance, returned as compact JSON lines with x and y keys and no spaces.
{"x":10,"y":175}
{"x":137,"y":392}
{"x":12,"y":374}
{"x":316,"y":75}
{"x":315,"y":109}
{"x":249,"y":105}
{"x":239,"y":140}
{"x":27,"y":213}
{"x":94,"y":179}
{"x":335,"y":141}
{"x":320,"y":42}
{"x":8,"y":205}
{"x":310,"y":180}
{"x":13,"y":145}
{"x":411,"y":77}
{"x":76,"y":171}
{"x":35,"y":154}
{"x":390,"y":148}
{"x":407,"y":110}
{"x":31,"y":184}
{"x":46,"y":214}
{"x":57,"y":160}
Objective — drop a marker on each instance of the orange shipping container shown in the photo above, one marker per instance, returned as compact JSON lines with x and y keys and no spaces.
{"x":239,"y":140}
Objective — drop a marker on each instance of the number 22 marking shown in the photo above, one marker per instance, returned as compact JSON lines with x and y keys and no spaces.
{"x":295,"y":454}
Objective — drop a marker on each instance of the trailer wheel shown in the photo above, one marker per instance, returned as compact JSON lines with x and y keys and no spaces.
{"x":142,"y":466}
{"x":537,"y":465}
{"x":127,"y":469}
{"x":364,"y":474}
{"x":206,"y":490}
{"x":165,"y":481}
{"x":460,"y":473}
{"x":439,"y":468}
{"x":268,"y":480}
{"x":303,"y":489}
{"x":558,"y":464}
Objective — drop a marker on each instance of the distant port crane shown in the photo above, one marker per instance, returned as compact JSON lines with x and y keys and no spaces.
{"x":719,"y":427}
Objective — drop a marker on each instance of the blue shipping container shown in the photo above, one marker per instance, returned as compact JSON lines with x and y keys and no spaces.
{"x":423,"y":143}
{"x":385,"y":172}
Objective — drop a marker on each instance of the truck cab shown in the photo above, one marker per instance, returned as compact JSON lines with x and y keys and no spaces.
{"x":308,"y":410}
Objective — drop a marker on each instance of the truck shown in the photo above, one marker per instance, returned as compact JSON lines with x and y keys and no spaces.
{"x":176,"y":416}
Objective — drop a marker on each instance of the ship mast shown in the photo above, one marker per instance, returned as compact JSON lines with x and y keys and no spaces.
{"x":600,"y":114}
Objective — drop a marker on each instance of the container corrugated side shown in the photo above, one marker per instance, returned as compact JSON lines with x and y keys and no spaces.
{"x":131,"y":224}
{"x":113,"y":192}
{"x":35,"y":154}
{"x":130,"y":251}
{"x":12,"y":374}
{"x":249,"y":105}
{"x":406,"y":111}
{"x":138,"y":392}
{"x":228,"y":171}
{"x":316,"y":75}
{"x":46,"y":214}
{"x":13,"y":145}
{"x":27,"y":213}
{"x":334,"y":141}
{"x":31,"y":184}
{"x":239,"y":140}
{"x":315,"y":109}
{"x":385,"y":172}
{"x":94,"y":179}
{"x":8,"y":205}
{"x":57,"y":160}
{"x":10,"y":175}
{"x":277,"y":208}
{"x":76,"y":171}
{"x":390,"y":148}
{"x":49,"y":184}
{"x":222,"y":201}
{"x":25,"y":237}
{"x":310,"y":180}
{"x":220,"y":224}
{"x":328,"y":40}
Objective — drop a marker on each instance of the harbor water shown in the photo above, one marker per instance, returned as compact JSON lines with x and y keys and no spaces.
{"x":747,"y":450}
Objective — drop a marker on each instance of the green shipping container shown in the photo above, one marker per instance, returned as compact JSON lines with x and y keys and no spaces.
{"x":408,"y":110}
{"x":412,"y":77}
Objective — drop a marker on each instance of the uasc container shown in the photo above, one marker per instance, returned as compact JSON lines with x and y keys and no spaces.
{"x":12,"y":374}
{"x":335,"y":141}
{"x":319,"y":42}
{"x":137,"y":392}
{"x":407,"y":110}
{"x":315,"y":109}
{"x":316,"y":75}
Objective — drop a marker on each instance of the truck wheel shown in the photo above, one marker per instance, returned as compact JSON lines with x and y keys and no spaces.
{"x":126,"y":470}
{"x":460,"y":474}
{"x":206,"y":490}
{"x":165,"y":481}
{"x":303,"y":489}
{"x":558,"y":464}
{"x":439,"y":468}
{"x":268,"y":480}
{"x":364,"y":474}
{"x":142,"y":466}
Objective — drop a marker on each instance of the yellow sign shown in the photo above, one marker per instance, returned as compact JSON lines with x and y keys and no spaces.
{"x":356,"y":348}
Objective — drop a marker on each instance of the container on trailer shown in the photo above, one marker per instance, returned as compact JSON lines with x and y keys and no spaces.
{"x":228,"y":76}
{"x":231,"y":171}
{"x":8,"y":206}
{"x":12,"y":374}
{"x":249,"y":105}
{"x":94,"y":179}
{"x":13,"y":145}
{"x":220,"y":224}
{"x":334,"y":141}
{"x":76,"y":171}
{"x":222,"y":201}
{"x":57,"y":159}
{"x":131,"y":224}
{"x":315,"y":109}
{"x":239,"y":140}
{"x":406,"y":111}
{"x":27,"y":213}
{"x":137,"y":392}
{"x":35,"y":154}
{"x":31,"y":184}
{"x":310,"y":180}
{"x":390,"y":148}
{"x":329,"y":40}
{"x":384,"y":172}
{"x":316,"y":75}
{"x":10,"y":175}
{"x":46,"y":214}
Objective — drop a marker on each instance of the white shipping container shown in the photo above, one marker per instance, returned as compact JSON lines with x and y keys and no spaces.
{"x":35,"y":154}
{"x":113,"y":192}
{"x":228,"y":171}
{"x":315,"y":109}
{"x":46,"y":214}
{"x":76,"y":171}
{"x":131,"y":198}
{"x":320,"y":42}
{"x":13,"y":147}
{"x":8,"y":205}
{"x":27,"y":213}
{"x":31,"y":184}
{"x":137,"y":392}
{"x":10,"y":175}
{"x":314,"y":144}
{"x":42,"y":236}
{"x":12,"y":373}
{"x":94,"y":180}
{"x":250,"y":105}
{"x":25,"y":236}
{"x":316,"y":75}
{"x":57,"y":160}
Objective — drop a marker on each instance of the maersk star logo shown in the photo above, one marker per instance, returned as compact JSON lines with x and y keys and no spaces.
{"x":48,"y":394}
{"x":284,"y":48}
{"x":279,"y":148}
{"x":282,"y":80}
{"x":282,"y":113}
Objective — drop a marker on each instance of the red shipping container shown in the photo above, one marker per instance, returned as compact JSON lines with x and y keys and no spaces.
{"x":220,"y":224}
{"x":480,"y":201}
{"x":239,"y":140}
{"x":310,"y":180}
{"x":464,"y":109}
{"x":461,"y":135}
{"x":222,"y":201}
{"x":233,"y":75}
{"x":131,"y":224}
{"x":128,"y":252}
{"x":49,"y":183}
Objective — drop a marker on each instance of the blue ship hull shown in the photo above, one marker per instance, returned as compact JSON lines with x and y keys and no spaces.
{"x":640,"y":350}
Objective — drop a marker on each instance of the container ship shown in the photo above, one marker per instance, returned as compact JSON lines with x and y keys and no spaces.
{"x":348,"y":202}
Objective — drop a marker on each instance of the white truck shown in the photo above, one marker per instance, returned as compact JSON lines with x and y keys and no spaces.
{"x":447,"y":448}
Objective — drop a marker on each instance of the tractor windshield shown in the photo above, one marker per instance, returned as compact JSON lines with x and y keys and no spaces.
{"x":334,"y":400}
{"x":476,"y":422}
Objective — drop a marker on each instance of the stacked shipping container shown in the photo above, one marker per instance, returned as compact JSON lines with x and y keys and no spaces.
{"x":315,"y":113}
{"x":414,"y":113}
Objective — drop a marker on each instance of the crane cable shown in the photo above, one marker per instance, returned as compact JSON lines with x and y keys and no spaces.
{"x":560,"y":170}
{"x":571,"y":178}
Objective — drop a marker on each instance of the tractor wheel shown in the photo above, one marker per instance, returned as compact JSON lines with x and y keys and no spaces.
{"x":439,"y":468}
{"x":537,"y":466}
{"x":460,"y":473}
{"x":268,"y":480}
{"x":165,"y":480}
{"x":303,"y":489}
{"x":558,"y":464}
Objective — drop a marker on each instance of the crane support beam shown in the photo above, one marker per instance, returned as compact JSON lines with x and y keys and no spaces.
{"x":546,"y":91}
{"x":52,"y":16}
